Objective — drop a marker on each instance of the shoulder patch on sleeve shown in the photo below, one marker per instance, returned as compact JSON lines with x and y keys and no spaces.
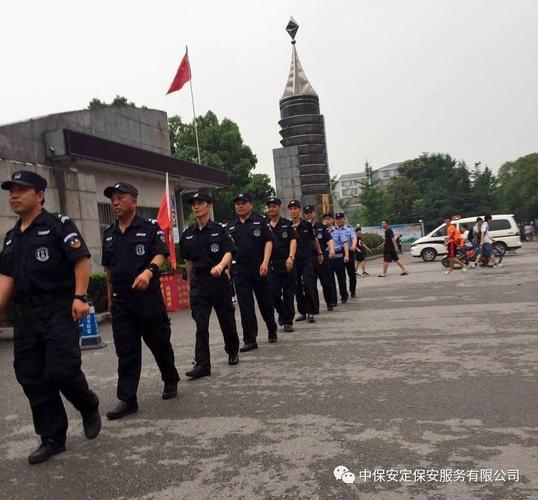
{"x":62,"y":218}
{"x":153,"y":221}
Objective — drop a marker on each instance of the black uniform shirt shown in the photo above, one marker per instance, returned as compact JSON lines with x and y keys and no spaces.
{"x":284,"y":233}
{"x":205,"y":247}
{"x":322,"y":235}
{"x":305,"y":242}
{"x":250,"y":238}
{"x":41,"y":259}
{"x":128,"y":254}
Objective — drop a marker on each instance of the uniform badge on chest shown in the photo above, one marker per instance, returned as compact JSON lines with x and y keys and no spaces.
{"x":257,"y":232}
{"x":42,"y":254}
{"x":140,"y":250}
{"x":284,"y":234}
{"x":214,"y":247}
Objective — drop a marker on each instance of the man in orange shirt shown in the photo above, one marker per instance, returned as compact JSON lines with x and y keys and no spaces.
{"x":453,"y":241}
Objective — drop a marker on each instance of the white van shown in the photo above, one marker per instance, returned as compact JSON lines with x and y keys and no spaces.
{"x":502,"y":228}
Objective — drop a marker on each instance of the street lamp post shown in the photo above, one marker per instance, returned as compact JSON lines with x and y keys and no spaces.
{"x":421,"y":226}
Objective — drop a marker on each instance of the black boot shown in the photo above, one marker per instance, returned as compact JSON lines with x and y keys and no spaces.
{"x":311,"y":318}
{"x":47,"y":449}
{"x":92,"y":424}
{"x":249,"y":347}
{"x":301,"y":317}
{"x":198,"y":371}
{"x":123,"y":408}
{"x":233,"y":359}
{"x":170,"y":390}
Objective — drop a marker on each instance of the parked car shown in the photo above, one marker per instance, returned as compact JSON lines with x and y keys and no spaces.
{"x":502,"y":228}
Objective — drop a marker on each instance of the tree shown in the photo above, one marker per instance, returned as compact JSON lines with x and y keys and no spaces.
{"x":484,"y":190}
{"x":373,"y":200}
{"x":436,"y":186}
{"x":221,"y":146}
{"x":402,"y":192}
{"x":96,"y":103}
{"x":518,"y":187}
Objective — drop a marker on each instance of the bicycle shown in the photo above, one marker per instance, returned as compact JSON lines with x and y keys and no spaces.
{"x":468,"y":255}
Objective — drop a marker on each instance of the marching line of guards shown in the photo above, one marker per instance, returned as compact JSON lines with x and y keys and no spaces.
{"x":44,"y":269}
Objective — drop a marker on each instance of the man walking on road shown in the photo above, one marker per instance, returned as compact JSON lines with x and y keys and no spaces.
{"x":341,"y":257}
{"x":453,"y":240}
{"x":254,"y":241}
{"x":349,"y":235}
{"x":390,"y":251}
{"x":133,"y":251}
{"x":44,"y":267}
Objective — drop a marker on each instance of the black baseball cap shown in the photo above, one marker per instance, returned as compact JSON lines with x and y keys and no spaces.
{"x":328,"y":214}
{"x":122,"y":187}
{"x":294,"y":203}
{"x":309,"y":208}
{"x":243,"y":197}
{"x":200,"y":196}
{"x":273,"y":199}
{"x":339,"y":215}
{"x":26,"y":178}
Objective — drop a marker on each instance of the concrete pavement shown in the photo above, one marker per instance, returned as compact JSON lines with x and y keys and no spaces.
{"x":419,"y":373}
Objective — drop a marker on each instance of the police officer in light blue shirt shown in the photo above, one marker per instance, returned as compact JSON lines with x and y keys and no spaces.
{"x":351,"y":239}
{"x":341,"y":249}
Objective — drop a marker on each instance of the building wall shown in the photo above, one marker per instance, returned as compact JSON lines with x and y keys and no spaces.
{"x":143,"y":128}
{"x":287,"y":174}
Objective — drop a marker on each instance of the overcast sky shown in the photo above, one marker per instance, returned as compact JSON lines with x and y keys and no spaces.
{"x":395,"y":78}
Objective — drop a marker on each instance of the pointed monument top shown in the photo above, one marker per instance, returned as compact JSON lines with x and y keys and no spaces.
{"x":292,"y":28}
{"x":297,"y":83}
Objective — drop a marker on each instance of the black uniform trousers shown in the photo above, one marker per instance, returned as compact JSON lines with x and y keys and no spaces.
{"x":338,"y":270}
{"x":306,"y":283}
{"x":138,"y":315}
{"x":283,"y":285}
{"x":208,"y":292}
{"x":350,"y":269}
{"x":248,"y":282}
{"x":47,"y":363}
{"x":323,"y":273}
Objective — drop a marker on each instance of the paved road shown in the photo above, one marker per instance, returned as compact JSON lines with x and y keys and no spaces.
{"x":420,"y":372}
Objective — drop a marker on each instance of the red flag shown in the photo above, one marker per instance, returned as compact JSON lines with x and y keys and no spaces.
{"x":183,"y":75}
{"x":164,"y":219}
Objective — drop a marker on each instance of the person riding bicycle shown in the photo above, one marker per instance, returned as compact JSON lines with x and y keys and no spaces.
{"x":453,"y":240}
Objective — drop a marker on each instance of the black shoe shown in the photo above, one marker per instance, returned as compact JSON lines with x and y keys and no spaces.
{"x":330,"y":308}
{"x":343,"y":301}
{"x":311,"y":318}
{"x":92,"y":424}
{"x":123,"y":408}
{"x":198,"y":371}
{"x":170,"y":390}
{"x":249,"y":347}
{"x":280,"y":321}
{"x":288,"y":328}
{"x":353,"y":295}
{"x":233,"y":359}
{"x":302,"y":317}
{"x":273,"y":338}
{"x":47,"y":449}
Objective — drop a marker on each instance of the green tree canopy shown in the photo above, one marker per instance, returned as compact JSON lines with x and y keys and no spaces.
{"x":221,"y":146}
{"x":373,"y":200}
{"x":518,"y":187}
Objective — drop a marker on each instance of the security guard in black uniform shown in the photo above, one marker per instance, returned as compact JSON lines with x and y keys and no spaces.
{"x":254,"y":241}
{"x":322,"y":270}
{"x":306,"y":280}
{"x":133,"y":251}
{"x":282,"y":278}
{"x":45,"y":268}
{"x":208,"y":249}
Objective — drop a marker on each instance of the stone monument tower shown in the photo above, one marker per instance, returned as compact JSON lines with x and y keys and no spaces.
{"x":301,"y":168}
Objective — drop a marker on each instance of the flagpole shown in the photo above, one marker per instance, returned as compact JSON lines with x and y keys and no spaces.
{"x":193,"y":109}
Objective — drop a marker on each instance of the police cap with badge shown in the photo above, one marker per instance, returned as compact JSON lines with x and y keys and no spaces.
{"x":243,"y":197}
{"x":200,"y":197}
{"x":273,"y":200}
{"x":294,"y":203}
{"x":25,"y":178}
{"x":121,"y":187}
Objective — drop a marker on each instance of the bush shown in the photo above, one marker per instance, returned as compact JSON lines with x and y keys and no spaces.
{"x":372,"y":241}
{"x":97,"y":292}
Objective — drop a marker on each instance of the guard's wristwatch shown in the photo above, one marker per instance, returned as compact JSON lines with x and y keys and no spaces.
{"x":82,"y":298}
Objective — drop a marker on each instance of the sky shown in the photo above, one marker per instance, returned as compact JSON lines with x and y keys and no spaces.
{"x":395,"y":78}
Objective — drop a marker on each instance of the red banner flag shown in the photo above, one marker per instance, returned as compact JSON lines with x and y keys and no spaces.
{"x":164,"y":219}
{"x":183,"y":75}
